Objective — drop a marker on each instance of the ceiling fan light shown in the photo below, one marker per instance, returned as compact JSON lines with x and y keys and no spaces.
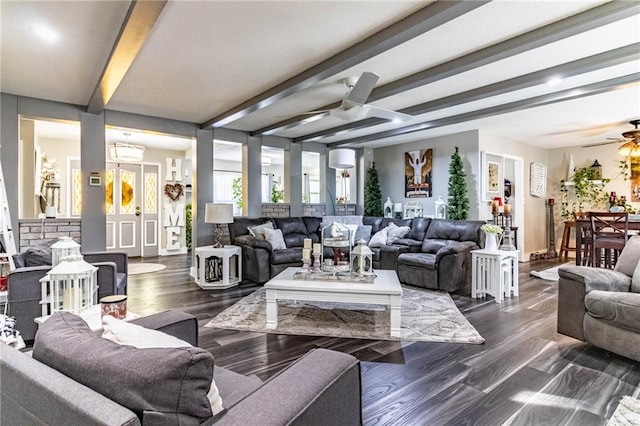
{"x":629,"y":149}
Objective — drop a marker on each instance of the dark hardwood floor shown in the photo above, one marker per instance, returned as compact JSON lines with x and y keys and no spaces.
{"x":524,"y":374}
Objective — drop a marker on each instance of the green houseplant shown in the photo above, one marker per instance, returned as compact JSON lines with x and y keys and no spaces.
{"x":372,"y":194}
{"x":588,"y":189}
{"x":458,"y":208}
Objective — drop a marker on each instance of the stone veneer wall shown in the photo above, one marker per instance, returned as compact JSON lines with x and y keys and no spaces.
{"x":45,"y":232}
{"x":275,"y":210}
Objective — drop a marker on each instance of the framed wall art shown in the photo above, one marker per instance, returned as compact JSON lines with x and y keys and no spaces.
{"x":418,"y":167}
{"x":492,"y":175}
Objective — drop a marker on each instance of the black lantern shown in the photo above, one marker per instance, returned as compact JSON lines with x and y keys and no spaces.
{"x":597,"y":170}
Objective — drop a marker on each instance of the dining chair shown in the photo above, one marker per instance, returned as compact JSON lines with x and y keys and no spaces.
{"x":586,"y":238}
{"x":609,"y":233}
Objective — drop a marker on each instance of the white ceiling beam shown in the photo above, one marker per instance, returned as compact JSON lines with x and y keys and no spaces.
{"x":137,"y":25}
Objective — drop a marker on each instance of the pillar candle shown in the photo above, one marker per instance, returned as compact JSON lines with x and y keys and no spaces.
{"x":307,"y":243}
{"x":507,"y":209}
{"x":494,"y":207}
{"x":317,"y":248}
{"x":306,"y":253}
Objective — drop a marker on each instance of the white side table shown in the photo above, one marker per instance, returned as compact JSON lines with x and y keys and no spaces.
{"x":494,"y":273}
{"x":218,"y":276}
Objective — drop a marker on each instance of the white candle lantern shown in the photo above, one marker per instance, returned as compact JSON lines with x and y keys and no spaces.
{"x":388,"y":208}
{"x":65,"y":246}
{"x":361,"y":260}
{"x":441,"y":209}
{"x":70,"y":286}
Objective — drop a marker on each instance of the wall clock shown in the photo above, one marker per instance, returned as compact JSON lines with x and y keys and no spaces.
{"x":538,"y":180}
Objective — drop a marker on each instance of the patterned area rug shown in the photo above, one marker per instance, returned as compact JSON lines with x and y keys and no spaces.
{"x":144,"y":268}
{"x":550,"y":274}
{"x":427,"y":316}
{"x":627,"y":413}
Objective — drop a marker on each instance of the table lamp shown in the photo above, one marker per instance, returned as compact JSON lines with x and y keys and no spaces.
{"x":218,"y":214}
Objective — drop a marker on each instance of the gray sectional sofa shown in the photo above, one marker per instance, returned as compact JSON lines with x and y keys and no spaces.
{"x":435,"y":254}
{"x":321,"y":388}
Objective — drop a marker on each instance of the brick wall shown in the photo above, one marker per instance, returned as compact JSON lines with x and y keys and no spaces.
{"x":314,"y":210}
{"x":275,"y":210}
{"x":36,"y":232}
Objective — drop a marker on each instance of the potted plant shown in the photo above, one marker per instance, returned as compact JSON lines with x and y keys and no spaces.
{"x":588,"y":188}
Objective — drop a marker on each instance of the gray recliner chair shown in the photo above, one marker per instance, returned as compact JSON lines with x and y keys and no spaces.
{"x":24,"y":290}
{"x":602,"y":306}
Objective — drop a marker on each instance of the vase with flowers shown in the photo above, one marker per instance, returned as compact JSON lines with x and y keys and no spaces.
{"x":492,"y":234}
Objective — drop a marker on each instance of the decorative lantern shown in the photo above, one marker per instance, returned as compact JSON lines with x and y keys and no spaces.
{"x":65,"y":246}
{"x":597,"y":170}
{"x":388,"y":208}
{"x":70,"y":286}
{"x":441,"y":208}
{"x":361,"y":260}
{"x":412,"y":209}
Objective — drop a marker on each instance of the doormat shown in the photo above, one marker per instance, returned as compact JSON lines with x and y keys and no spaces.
{"x":144,"y":268}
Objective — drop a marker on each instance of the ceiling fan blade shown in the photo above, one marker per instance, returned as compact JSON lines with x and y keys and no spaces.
{"x":361,"y":91}
{"x":387,"y":114}
{"x":619,"y":141}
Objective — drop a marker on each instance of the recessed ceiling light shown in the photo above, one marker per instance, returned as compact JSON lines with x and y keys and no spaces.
{"x":396,"y":121}
{"x":554,"y":81}
{"x":45,"y":33}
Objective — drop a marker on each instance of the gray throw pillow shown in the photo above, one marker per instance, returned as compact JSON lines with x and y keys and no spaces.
{"x":363,"y":233}
{"x":37,"y":256}
{"x":162,"y":382}
{"x":629,"y":257}
{"x":635,"y":279}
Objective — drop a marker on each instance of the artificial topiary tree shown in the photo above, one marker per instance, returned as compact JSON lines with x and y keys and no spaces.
{"x":458,"y":208}
{"x":372,"y":194}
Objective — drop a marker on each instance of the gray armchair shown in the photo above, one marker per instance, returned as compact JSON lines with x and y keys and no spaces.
{"x":602,"y":306}
{"x":24,"y":291}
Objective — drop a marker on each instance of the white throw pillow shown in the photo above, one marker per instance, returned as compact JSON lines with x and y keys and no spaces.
{"x":379,"y":238}
{"x":275,"y":238}
{"x":258,"y":231}
{"x":395,"y":232}
{"x":125,"y":333}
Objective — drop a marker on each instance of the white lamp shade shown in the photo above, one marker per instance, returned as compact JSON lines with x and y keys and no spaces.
{"x":342,"y":158}
{"x":218,"y":213}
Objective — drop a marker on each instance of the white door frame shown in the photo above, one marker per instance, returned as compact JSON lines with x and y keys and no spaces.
{"x":518,"y":200}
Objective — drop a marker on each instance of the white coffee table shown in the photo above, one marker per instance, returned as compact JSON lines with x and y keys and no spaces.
{"x":385,"y":290}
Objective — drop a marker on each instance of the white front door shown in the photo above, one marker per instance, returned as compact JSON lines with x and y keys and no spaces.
{"x":133,"y":214}
{"x":123,"y":203}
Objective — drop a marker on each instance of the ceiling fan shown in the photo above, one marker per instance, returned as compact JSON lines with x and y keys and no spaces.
{"x":630,"y":141}
{"x":353,"y":106}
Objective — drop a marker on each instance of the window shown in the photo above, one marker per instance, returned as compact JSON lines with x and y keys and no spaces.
{"x":310,"y":177}
{"x":227,"y":174}
{"x":273,"y":184}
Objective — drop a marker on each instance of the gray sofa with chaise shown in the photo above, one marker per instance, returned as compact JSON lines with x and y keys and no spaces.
{"x":321,"y":388}
{"x":602,"y":306}
{"x":434,"y":254}
{"x":24,"y":290}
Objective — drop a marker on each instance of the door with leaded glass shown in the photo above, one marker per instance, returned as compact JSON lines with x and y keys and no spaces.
{"x":132,"y":208}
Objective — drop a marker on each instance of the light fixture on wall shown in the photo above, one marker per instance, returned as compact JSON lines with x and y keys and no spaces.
{"x":344,"y":159}
{"x":631,"y":148}
{"x":218,"y":214}
{"x":125,"y":152}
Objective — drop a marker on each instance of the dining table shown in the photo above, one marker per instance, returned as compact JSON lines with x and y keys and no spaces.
{"x":583,"y":224}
